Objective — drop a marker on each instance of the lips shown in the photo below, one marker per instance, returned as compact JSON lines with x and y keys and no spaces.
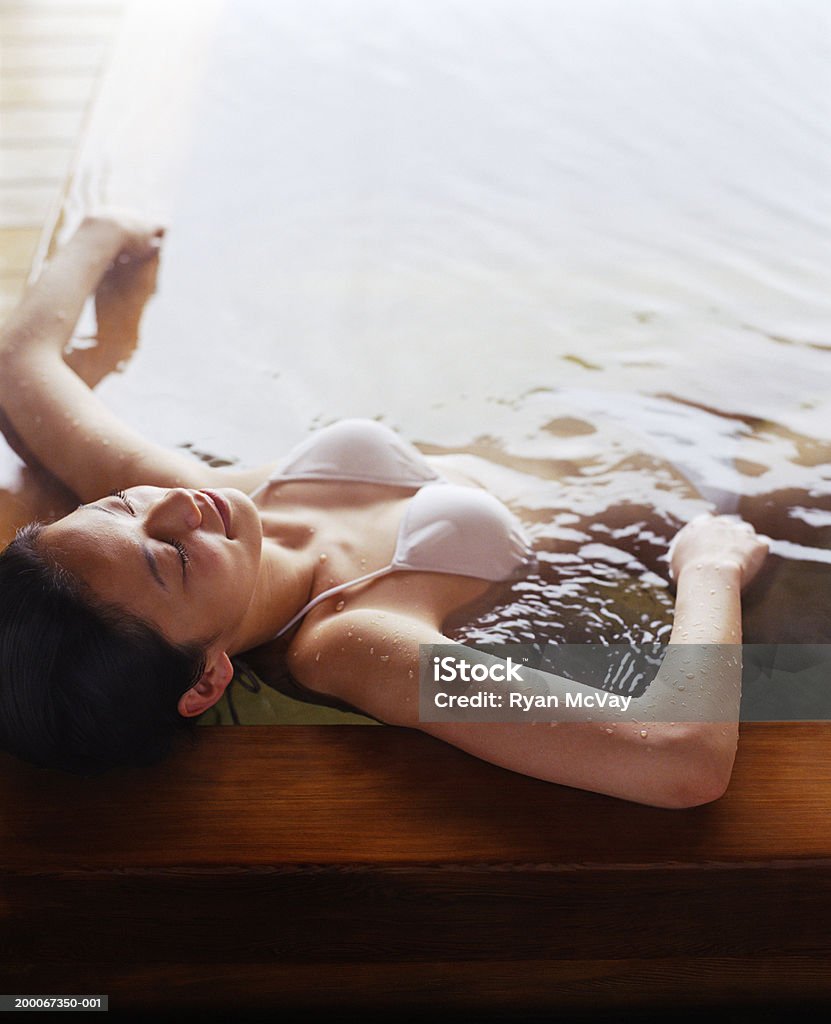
{"x":221,"y":507}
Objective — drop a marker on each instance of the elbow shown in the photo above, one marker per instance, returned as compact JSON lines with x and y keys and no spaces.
{"x":696,"y":793}
{"x":703,"y":766}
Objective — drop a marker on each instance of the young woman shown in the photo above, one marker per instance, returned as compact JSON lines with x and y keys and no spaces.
{"x":119,"y":621}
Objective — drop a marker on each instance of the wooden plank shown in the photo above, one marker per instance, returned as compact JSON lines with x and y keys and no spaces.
{"x":53,"y":24}
{"x":157,"y":118}
{"x":17,"y":249}
{"x":510,"y":988}
{"x":487,"y":911}
{"x":27,"y":125}
{"x":48,"y":8}
{"x":352,"y":795}
{"x":26,"y":206}
{"x":47,"y":92}
{"x":34,"y":58}
{"x":314,"y":849}
{"x":23,"y":164}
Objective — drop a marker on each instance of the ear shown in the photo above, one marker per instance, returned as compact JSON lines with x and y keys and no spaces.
{"x":212,"y":684}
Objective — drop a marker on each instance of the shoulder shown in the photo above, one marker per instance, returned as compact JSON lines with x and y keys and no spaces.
{"x":367,"y":657}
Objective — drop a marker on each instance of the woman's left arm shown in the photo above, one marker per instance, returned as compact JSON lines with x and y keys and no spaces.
{"x":60,"y":420}
{"x":652,"y":752}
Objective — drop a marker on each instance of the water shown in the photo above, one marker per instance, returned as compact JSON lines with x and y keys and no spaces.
{"x":583,"y":248}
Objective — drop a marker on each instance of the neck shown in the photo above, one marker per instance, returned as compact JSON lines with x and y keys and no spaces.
{"x":283,"y":584}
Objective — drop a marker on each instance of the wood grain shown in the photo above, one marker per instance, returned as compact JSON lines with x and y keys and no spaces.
{"x":357,"y":796}
{"x":401,"y":862}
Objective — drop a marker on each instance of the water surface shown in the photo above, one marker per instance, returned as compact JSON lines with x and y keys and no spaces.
{"x":582,"y":247}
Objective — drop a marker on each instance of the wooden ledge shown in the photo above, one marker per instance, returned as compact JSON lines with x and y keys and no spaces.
{"x":270,"y":856}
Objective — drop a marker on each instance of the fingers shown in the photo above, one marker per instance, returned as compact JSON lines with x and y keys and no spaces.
{"x":717,"y":539}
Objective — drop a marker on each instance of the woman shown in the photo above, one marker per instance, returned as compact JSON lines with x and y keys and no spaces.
{"x":119,"y":621}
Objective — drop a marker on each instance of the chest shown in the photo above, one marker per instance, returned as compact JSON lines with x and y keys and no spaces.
{"x":340,"y":531}
{"x":343,"y":532}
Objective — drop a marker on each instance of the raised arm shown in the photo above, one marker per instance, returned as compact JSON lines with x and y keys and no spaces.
{"x":57,"y":418}
{"x":644,"y":753}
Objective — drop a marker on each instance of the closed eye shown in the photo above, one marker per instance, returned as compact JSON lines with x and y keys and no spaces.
{"x":180,"y":547}
{"x":123,"y":497}
{"x":183,"y":553}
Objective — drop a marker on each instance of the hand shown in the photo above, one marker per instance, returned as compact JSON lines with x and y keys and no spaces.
{"x":721,"y":541}
{"x":138,"y":238}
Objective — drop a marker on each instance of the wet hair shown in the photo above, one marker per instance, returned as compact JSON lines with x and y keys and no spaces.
{"x":84,"y":686}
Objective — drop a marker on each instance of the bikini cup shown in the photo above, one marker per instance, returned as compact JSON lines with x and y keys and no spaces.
{"x":362,"y":451}
{"x":463,"y":531}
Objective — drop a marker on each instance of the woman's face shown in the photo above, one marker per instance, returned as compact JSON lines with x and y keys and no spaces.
{"x":166,"y":555}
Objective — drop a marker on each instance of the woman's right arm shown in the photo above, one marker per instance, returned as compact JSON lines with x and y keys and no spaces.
{"x":646,"y":754}
{"x":57,"y":419}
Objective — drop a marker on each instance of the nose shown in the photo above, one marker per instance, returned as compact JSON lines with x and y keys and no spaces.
{"x":175,"y":512}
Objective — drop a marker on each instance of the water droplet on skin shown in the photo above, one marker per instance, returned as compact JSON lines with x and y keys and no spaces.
{"x":712,"y":592}
{"x":349,"y":632}
{"x":410,"y":673}
{"x":610,"y":731}
{"x":690,"y":675}
{"x":372,"y":650}
{"x":323,"y":558}
{"x":644,"y":733}
{"x":105,"y":442}
{"x":385,"y":657}
{"x":317,"y":656}
{"x":340,"y":606}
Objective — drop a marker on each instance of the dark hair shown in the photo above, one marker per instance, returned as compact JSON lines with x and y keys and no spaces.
{"x":84,"y":686}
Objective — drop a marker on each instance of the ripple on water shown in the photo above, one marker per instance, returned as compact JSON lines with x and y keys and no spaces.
{"x":602,"y":525}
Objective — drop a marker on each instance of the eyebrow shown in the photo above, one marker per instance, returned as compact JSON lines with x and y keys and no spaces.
{"x":149,"y":557}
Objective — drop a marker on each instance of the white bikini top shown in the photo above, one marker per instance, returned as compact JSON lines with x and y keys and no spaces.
{"x":446,"y":527}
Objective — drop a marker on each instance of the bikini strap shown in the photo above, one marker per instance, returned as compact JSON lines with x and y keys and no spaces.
{"x":331,"y":592}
